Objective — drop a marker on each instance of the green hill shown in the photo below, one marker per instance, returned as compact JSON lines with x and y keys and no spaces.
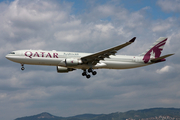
{"x":148,"y":114}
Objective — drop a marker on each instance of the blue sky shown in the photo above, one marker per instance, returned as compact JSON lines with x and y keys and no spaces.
{"x":87,"y":26}
{"x":154,"y":12}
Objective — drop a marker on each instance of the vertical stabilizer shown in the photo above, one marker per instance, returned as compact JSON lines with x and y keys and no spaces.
{"x":155,"y":50}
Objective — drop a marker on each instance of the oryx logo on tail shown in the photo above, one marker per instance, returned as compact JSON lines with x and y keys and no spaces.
{"x":155,"y":50}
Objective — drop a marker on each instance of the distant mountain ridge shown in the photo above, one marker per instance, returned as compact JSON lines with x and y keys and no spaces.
{"x":42,"y":116}
{"x":148,"y":114}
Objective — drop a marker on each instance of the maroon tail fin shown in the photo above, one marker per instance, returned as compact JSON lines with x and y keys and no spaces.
{"x":155,"y":50}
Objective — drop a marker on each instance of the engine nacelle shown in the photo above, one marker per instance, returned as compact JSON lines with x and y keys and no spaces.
{"x":72,"y":62}
{"x":64,"y":69}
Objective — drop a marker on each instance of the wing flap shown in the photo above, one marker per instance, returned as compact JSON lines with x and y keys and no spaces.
{"x":96,"y":57}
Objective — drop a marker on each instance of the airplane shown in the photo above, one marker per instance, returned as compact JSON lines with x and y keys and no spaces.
{"x":88,"y":62}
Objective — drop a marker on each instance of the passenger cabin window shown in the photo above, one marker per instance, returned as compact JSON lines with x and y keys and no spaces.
{"x":12,"y":53}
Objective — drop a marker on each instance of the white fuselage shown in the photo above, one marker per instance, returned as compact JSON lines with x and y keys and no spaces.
{"x":106,"y":59}
{"x":57,"y":58}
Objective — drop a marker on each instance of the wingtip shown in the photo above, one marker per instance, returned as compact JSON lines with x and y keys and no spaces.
{"x":133,"y":39}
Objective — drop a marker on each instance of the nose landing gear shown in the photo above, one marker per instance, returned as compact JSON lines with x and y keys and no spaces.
{"x":22,"y":68}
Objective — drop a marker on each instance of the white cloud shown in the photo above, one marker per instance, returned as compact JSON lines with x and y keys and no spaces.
{"x":52,"y":25}
{"x":104,"y":28}
{"x":169,"y":5}
{"x":160,"y":28}
{"x":169,"y":101}
{"x":106,"y":10}
{"x":164,"y":70}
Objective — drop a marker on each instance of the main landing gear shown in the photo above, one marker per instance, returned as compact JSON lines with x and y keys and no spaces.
{"x":90,"y":70}
{"x":22,"y":68}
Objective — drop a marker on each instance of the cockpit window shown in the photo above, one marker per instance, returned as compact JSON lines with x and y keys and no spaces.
{"x":12,"y":53}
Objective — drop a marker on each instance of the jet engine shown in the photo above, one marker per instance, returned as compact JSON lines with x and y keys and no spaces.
{"x":72,"y":62}
{"x":64,"y":69}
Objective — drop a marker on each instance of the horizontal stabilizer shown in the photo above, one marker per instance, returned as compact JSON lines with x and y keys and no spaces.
{"x":160,"y":59}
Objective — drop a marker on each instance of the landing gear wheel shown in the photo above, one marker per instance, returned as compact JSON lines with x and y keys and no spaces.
{"x":94,"y":72}
{"x":84,"y":73}
{"x":22,"y":68}
{"x":88,"y":76}
{"x":90,"y":70}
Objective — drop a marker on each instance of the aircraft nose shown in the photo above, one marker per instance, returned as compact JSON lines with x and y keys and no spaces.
{"x":7,"y":56}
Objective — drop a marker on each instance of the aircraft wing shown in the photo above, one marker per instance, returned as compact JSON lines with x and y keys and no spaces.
{"x":96,"y":57}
